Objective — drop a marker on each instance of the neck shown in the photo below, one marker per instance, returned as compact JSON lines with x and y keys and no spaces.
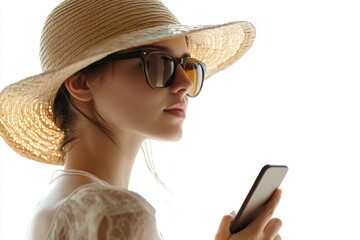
{"x":95,"y":153}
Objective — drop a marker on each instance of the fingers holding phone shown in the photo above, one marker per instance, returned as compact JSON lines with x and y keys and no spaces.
{"x":254,"y":219}
{"x":264,"y":227}
{"x":261,"y":192}
{"x":265,"y":216}
{"x":223,"y":232}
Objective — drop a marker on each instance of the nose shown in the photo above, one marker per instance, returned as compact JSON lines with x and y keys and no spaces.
{"x":182,"y":84}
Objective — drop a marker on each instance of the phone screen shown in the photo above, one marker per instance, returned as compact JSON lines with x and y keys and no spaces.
{"x":266,"y":183}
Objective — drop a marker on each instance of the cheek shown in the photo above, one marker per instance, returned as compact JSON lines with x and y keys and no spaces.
{"x":128,"y":102}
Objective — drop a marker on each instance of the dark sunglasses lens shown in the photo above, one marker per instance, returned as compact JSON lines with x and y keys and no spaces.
{"x":195,"y":73}
{"x":159,"y":68}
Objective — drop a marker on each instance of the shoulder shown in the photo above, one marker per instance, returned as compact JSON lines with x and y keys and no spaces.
{"x":108,"y":213}
{"x":109,"y":199}
{"x":123,"y":214}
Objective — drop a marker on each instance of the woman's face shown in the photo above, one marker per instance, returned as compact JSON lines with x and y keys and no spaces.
{"x":129,"y":106}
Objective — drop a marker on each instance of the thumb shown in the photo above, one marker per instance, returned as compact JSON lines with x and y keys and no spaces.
{"x":223,"y":232}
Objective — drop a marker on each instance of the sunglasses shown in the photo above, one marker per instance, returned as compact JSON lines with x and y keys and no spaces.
{"x":160,"y":68}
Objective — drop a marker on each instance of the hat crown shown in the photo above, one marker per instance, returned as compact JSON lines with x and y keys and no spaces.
{"x":78,"y":26}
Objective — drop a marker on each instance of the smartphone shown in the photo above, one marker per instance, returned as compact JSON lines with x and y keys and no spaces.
{"x":266,"y":183}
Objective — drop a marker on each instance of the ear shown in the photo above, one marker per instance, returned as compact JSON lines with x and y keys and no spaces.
{"x":77,"y":87}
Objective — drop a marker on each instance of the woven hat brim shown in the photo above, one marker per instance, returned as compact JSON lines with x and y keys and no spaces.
{"x":26,"y":122}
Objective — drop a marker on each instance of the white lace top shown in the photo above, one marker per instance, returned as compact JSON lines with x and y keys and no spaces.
{"x":126,"y":215}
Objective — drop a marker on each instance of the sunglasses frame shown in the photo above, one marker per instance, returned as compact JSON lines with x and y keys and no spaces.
{"x":143,"y":54}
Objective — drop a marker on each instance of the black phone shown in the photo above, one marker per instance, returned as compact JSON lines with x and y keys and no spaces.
{"x":266,"y":183}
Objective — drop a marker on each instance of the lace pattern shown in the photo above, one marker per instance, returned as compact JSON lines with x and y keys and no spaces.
{"x":119,"y":213}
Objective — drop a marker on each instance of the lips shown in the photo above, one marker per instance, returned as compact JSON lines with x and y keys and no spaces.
{"x":177,"y":110}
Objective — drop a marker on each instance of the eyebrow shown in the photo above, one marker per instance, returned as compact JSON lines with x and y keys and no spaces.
{"x":166,"y":49}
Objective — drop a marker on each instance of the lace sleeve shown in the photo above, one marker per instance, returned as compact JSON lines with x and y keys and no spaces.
{"x":97,"y":212}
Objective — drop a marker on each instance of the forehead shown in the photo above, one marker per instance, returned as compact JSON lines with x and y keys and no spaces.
{"x":176,"y":46}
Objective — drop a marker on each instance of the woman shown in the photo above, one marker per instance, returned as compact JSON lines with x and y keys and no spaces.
{"x":115,"y":73}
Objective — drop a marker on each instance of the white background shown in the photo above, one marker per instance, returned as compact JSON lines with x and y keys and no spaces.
{"x":292,"y":99}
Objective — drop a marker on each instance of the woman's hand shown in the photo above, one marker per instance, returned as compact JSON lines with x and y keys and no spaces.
{"x":264,"y":227}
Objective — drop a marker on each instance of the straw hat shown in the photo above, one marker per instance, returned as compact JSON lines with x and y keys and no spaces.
{"x":80,"y":32}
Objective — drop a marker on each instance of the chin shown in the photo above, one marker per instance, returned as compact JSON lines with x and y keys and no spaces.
{"x":176,"y":138}
{"x":171,"y":136}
